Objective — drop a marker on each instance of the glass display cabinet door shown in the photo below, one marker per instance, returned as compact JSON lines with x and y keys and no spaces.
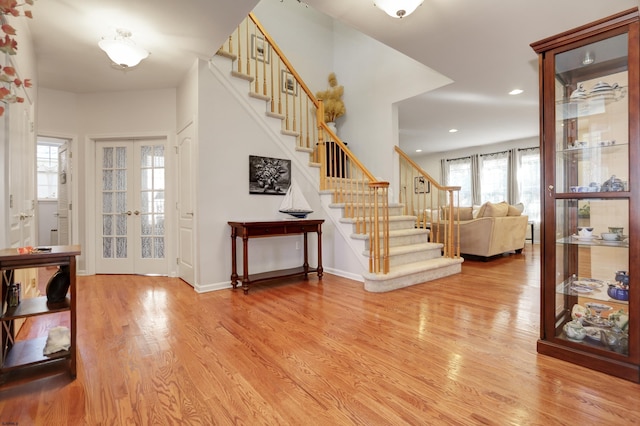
{"x":590,"y":128}
{"x":592,"y":178}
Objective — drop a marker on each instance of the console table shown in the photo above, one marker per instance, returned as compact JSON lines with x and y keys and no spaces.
{"x":278,"y":228}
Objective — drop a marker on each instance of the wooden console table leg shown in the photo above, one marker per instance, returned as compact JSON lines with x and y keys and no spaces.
{"x":305,"y":265}
{"x":234,"y":269}
{"x":320,"y":252}
{"x":74,"y":327}
{"x":245,"y":261}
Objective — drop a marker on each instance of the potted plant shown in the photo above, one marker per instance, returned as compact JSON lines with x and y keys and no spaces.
{"x":332,"y":99}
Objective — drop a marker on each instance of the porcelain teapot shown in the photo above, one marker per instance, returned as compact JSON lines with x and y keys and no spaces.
{"x":609,"y":92}
{"x":579,"y":94}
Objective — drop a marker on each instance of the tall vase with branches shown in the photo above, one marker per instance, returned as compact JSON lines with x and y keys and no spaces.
{"x":332,"y":99}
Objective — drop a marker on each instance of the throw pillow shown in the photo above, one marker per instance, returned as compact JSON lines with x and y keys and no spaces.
{"x":496,"y":210}
{"x":514,"y":211}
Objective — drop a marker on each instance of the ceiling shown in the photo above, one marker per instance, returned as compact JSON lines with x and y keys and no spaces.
{"x":483,"y":46}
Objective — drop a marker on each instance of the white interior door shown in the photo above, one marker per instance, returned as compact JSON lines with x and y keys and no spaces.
{"x":21,"y":180}
{"x":64,"y":195}
{"x":130,"y":207}
{"x":186,"y":234}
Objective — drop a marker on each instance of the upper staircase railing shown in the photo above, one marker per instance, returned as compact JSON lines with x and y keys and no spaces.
{"x":432,"y":204}
{"x":258,"y":59}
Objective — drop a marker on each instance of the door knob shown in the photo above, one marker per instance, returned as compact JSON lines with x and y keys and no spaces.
{"x":137,"y":212}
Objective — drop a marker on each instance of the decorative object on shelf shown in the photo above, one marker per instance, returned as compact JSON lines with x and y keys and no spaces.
{"x":613,"y":184}
{"x":122,"y":50}
{"x":579,"y":94}
{"x":13,"y":295}
{"x":617,"y":292}
{"x":398,"y":8}
{"x":584,"y":211}
{"x":332,"y":99}
{"x":622,"y":277}
{"x":585,"y":231}
{"x":610,"y":236}
{"x":8,"y":75}
{"x":58,"y":285}
{"x":59,"y":339}
{"x":294,"y":203}
{"x":574,"y":330}
{"x":610,"y":92}
{"x":620,"y":319}
{"x":270,"y":176}
{"x":617,"y":230}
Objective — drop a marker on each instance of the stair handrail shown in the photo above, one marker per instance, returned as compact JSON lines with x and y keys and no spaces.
{"x":340,"y":170}
{"x":439,"y":212}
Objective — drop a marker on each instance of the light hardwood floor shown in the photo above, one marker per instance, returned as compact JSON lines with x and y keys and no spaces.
{"x":457,"y":351}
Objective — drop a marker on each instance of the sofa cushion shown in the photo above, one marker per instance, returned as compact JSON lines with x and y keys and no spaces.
{"x":495,"y":210}
{"x":514,"y":211}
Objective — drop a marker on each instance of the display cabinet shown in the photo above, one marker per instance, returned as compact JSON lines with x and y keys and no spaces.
{"x":589,"y":127}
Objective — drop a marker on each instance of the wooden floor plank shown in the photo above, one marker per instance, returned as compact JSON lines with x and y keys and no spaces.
{"x":460,"y":350}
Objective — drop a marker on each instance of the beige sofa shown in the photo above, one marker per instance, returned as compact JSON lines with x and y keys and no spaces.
{"x":497,"y":228}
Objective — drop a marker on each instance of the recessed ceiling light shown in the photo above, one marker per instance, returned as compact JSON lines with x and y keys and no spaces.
{"x":453,"y":130}
{"x":515,"y":91}
{"x":418,"y":150}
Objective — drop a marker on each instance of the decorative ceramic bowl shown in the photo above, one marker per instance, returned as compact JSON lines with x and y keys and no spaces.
{"x":574,"y":331}
{"x":618,"y":293}
{"x":610,"y":236}
{"x":616,"y":230}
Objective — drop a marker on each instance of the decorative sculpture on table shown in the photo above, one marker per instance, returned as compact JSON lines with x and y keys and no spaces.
{"x":295,"y":204}
{"x":58,"y":285}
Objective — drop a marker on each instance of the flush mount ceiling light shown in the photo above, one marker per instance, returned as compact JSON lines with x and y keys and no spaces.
{"x":398,"y":8}
{"x":122,"y":50}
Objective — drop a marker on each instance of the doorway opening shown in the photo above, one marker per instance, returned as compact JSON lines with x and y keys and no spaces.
{"x":53,"y":176}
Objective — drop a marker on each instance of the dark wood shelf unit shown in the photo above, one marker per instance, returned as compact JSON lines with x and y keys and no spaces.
{"x":17,"y":354}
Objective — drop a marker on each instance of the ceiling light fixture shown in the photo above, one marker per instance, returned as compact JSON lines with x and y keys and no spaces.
{"x":515,"y":91}
{"x":588,"y":58}
{"x":453,"y":130}
{"x":122,"y":50}
{"x":398,"y":8}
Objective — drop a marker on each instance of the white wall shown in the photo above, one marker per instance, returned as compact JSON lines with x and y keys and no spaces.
{"x":375,"y":77}
{"x":86,"y":116}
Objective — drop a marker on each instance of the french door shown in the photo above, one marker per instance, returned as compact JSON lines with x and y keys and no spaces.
{"x":130,"y":207}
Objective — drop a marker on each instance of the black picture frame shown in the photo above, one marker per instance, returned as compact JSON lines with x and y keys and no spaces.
{"x":269,"y":176}
{"x":421,"y":185}
{"x":288,"y":84}
{"x":260,"y":49}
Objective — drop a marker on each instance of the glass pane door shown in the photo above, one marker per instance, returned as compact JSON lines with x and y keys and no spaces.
{"x":132,"y":207}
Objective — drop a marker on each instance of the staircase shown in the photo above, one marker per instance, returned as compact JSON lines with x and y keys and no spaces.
{"x":402,"y":254}
{"x":412,"y":258}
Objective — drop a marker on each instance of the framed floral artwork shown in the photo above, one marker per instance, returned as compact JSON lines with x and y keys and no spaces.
{"x":271,"y":176}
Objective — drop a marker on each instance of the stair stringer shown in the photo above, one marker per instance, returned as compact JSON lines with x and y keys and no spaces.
{"x":257,"y":109}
